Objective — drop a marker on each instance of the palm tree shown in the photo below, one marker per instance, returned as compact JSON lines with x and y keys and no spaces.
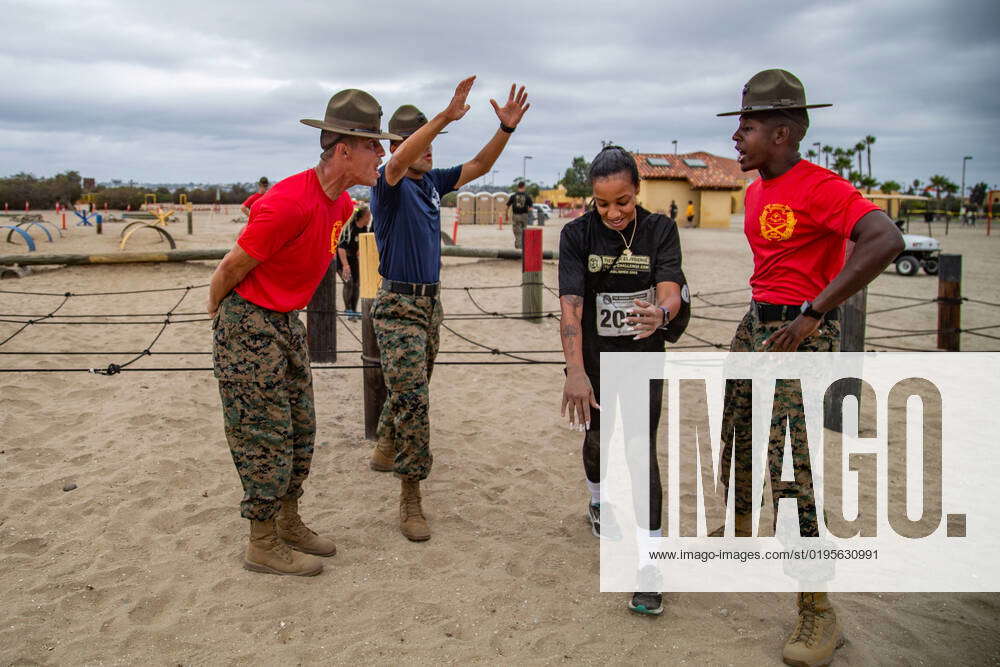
{"x":869,"y":140}
{"x":854,"y":177}
{"x":890,"y":187}
{"x":938,"y":183}
{"x":826,"y":151}
{"x":916,"y":185}
{"x":842,"y":162}
{"x":811,"y":154}
{"x":868,"y":183}
{"x":859,"y":148}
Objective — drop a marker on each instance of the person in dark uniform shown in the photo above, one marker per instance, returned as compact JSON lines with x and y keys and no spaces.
{"x":620,"y":287}
{"x":347,"y":255}
{"x":520,"y":204}
{"x":673,"y":210}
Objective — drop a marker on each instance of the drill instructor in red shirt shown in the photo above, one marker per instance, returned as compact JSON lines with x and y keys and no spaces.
{"x":260,"y":354}
{"x":798,"y":218}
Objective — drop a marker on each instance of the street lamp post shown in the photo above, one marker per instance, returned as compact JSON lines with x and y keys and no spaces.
{"x":524,"y":167}
{"x":493,"y":177}
{"x":818,"y":151}
{"x":961,"y":194}
{"x":674,"y":141}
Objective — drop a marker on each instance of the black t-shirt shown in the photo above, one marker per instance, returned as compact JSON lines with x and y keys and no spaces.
{"x":520,"y":202}
{"x":349,"y":239}
{"x":592,"y":264}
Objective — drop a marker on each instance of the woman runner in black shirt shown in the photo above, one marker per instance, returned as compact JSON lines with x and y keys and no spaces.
{"x":620,"y":283}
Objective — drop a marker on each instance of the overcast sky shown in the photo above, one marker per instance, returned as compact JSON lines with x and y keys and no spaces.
{"x":213,"y":90}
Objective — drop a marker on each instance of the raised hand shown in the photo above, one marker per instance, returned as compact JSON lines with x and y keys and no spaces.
{"x":457,"y":107}
{"x":511,"y":113}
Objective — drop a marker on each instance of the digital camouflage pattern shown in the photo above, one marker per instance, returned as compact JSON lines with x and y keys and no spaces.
{"x":261,"y":360}
{"x":737,"y":425}
{"x":519,"y":222}
{"x":407,"y":329}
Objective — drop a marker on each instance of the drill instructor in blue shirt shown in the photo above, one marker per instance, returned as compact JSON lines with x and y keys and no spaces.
{"x":407,"y":314}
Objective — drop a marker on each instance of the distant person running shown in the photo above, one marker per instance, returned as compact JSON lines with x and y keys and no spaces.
{"x":673,"y":210}
{"x":347,"y":253}
{"x":689,"y":213}
{"x":620,"y":283}
{"x":260,"y":353}
{"x":520,"y":204}
{"x":262,"y":185}
{"x":407,"y":314}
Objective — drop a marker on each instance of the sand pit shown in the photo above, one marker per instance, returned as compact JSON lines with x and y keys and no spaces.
{"x":140,"y":563}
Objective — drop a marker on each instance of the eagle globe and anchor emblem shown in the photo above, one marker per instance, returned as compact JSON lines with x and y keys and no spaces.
{"x":777,"y":222}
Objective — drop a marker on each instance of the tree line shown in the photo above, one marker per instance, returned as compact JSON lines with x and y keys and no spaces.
{"x":67,"y":189}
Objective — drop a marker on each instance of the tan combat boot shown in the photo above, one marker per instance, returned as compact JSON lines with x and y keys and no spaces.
{"x":383,"y":458}
{"x":411,"y":516}
{"x":297,"y":535}
{"x":817,"y":634}
{"x":267,"y":553}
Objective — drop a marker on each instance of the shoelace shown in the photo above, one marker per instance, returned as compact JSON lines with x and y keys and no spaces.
{"x":410,"y":506}
{"x":278,"y":545}
{"x":806,"y":631}
{"x":295,"y":526}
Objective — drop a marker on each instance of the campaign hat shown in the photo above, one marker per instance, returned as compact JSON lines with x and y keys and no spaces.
{"x":355,"y":113}
{"x":406,"y":120}
{"x":773,"y":90}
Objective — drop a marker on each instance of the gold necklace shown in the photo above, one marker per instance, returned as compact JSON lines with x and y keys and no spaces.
{"x":628,"y":244}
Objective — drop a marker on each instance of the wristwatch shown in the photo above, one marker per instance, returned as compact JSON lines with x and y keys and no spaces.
{"x":808,"y":310}
{"x":666,"y":317}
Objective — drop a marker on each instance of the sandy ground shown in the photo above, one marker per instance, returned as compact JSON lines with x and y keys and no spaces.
{"x":141,"y":562}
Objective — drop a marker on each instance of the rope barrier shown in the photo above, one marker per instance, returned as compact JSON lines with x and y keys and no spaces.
{"x":174,"y":316}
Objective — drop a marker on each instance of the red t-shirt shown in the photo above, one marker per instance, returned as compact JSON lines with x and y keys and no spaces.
{"x":797,"y":225}
{"x":251,"y":199}
{"x":292,"y":232}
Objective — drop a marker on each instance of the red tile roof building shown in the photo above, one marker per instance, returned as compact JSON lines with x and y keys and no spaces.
{"x":714,"y":184}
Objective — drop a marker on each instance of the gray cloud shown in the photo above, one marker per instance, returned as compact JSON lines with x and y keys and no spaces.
{"x":213,"y":90}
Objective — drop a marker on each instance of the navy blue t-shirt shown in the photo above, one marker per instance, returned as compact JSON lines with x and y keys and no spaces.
{"x":406,"y":220}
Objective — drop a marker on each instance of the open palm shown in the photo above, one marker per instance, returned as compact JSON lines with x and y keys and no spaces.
{"x":511,"y":113}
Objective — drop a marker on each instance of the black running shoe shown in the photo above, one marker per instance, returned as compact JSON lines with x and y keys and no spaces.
{"x":609,"y":530}
{"x":650,"y":603}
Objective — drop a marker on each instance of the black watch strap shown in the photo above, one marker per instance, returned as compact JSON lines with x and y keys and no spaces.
{"x":809,"y":311}
{"x":507,"y":128}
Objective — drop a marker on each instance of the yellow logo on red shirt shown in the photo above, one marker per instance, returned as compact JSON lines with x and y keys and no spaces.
{"x":335,"y":236}
{"x":777,"y":222}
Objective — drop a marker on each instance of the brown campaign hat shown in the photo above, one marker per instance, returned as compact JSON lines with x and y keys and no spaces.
{"x":771,"y":90}
{"x":406,"y":120}
{"x":355,"y":113}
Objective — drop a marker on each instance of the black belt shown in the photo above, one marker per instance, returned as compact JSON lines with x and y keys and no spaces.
{"x":769,"y":312}
{"x":414,"y":289}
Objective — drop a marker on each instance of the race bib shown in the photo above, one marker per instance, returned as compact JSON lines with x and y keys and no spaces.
{"x":613,"y":308}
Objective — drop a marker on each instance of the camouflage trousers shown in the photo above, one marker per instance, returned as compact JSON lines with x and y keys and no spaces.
{"x":519,"y":222}
{"x":261,"y":360}
{"x":737,"y":419}
{"x":407,"y":329}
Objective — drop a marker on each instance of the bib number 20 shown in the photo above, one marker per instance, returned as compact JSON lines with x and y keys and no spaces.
{"x":612,"y":318}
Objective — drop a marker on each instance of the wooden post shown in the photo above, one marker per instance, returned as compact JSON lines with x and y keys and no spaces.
{"x":852,"y":339}
{"x":64,"y":221}
{"x":949,"y":303}
{"x":321,"y":320}
{"x":190,"y":224}
{"x":373,"y":382}
{"x":99,"y":221}
{"x":531,"y":274}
